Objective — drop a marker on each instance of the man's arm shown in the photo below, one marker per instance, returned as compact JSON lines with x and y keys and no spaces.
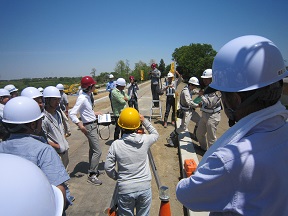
{"x":45,"y":128}
{"x":62,"y":188}
{"x":108,"y":87}
{"x":49,"y":162}
{"x":153,"y":133}
{"x":110,"y":163}
{"x":73,"y":114}
{"x":180,"y":79}
{"x":210,"y":188}
{"x":117,"y":96}
{"x":189,"y":100}
{"x":75,"y":110}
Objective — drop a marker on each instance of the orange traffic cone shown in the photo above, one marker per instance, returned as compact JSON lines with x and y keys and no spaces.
{"x":165,"y":209}
{"x":165,"y":205}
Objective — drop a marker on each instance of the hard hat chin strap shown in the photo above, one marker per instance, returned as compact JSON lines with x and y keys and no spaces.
{"x":249,"y":100}
{"x":23,"y":126}
{"x":231,"y":113}
{"x":17,"y":128}
{"x":265,"y":95}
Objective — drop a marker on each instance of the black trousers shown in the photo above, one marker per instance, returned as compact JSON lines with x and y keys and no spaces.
{"x":155,"y":95}
{"x":118,"y":129}
{"x":170,"y":103}
{"x":133,"y":103}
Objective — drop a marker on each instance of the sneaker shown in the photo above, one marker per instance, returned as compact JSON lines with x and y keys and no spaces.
{"x":170,"y":142}
{"x":173,"y":135}
{"x":67,"y":134}
{"x":94,"y":180}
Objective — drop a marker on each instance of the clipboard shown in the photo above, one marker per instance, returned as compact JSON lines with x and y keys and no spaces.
{"x":197,"y":100}
{"x":104,"y":118}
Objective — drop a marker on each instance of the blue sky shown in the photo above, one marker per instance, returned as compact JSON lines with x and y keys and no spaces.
{"x":43,"y":38}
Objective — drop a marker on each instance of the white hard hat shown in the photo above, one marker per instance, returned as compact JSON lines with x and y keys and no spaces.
{"x":31,"y":92}
{"x":111,"y":76}
{"x":51,"y":91}
{"x":11,"y":88}
{"x":169,"y":75}
{"x":194,"y":81}
{"x":40,"y":89}
{"x":34,"y":196}
{"x":4,"y":92}
{"x":21,"y":110}
{"x":60,"y":86}
{"x":121,"y":82}
{"x":247,"y":63}
{"x":207,"y":74}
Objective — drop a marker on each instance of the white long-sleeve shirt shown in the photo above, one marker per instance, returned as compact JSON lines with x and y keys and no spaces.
{"x":83,"y":106}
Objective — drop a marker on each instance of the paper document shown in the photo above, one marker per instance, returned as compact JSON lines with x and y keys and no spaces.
{"x":104,"y":118}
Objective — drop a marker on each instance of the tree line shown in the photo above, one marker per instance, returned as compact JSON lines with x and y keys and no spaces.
{"x":191,"y":60}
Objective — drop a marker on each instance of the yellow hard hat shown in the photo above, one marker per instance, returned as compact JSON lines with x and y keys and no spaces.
{"x":129,"y":119}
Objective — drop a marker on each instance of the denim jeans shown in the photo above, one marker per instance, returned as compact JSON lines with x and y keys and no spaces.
{"x":141,"y":200}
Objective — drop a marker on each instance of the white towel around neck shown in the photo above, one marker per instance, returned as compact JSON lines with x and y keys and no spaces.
{"x":241,"y":128}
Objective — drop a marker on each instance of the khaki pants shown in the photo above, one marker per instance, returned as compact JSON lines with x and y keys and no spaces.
{"x":207,"y":125}
{"x":188,"y":115}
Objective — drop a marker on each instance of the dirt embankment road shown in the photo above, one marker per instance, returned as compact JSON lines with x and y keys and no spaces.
{"x":92,"y":200}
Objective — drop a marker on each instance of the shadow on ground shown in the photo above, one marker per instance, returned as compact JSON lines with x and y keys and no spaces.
{"x":81,"y":169}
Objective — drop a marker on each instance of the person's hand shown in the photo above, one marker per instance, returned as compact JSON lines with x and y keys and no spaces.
{"x":201,"y":92}
{"x":141,"y":117}
{"x":54,"y":145}
{"x":126,"y":99}
{"x":83,"y":130}
{"x":98,"y":113}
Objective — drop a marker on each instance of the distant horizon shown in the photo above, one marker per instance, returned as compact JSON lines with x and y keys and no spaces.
{"x":53,"y":77}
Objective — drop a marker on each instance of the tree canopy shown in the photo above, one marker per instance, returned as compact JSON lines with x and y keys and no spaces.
{"x":161,"y":66}
{"x":192,"y":60}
